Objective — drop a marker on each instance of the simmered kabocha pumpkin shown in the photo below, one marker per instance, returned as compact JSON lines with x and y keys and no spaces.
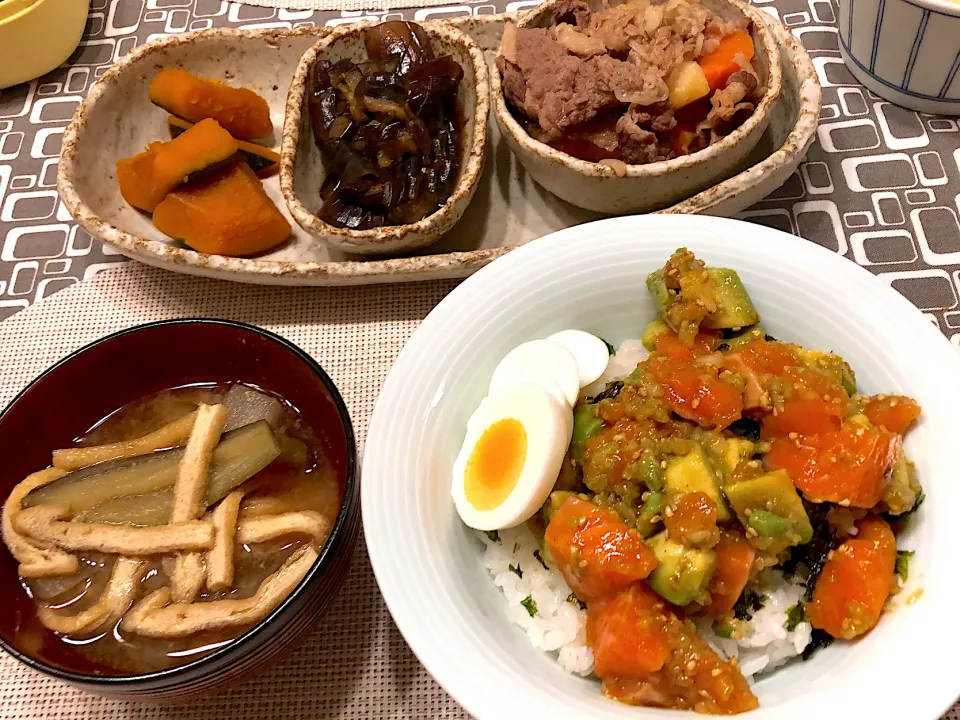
{"x":146,"y":178}
{"x":261,"y":159}
{"x":229,"y":214}
{"x":241,"y":111}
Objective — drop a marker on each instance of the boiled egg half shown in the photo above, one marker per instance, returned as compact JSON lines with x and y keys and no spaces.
{"x":511,"y":456}
{"x":517,"y":438}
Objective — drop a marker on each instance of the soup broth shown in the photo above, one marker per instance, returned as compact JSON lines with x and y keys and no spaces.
{"x":287,"y":508}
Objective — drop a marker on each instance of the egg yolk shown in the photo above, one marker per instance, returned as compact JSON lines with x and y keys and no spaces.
{"x":495,"y":464}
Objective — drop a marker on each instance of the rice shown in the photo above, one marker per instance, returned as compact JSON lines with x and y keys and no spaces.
{"x":540,"y":601}
{"x":538,"y":598}
{"x":767,"y":644}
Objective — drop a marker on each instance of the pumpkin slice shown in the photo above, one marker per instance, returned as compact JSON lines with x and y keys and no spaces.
{"x":145,"y":179}
{"x":241,"y":111}
{"x":226,"y":215}
{"x":261,"y":159}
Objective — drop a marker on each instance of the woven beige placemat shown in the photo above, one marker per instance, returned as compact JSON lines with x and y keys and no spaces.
{"x":356,"y":665}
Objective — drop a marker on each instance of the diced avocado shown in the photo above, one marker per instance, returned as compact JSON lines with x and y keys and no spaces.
{"x":586,"y":424}
{"x":735,"y":451}
{"x":646,"y":470}
{"x":769,"y":525}
{"x":651,"y":332}
{"x":692,"y":473}
{"x":554,"y":502}
{"x":658,"y":289}
{"x":735,"y":307}
{"x":649,"y":517}
{"x":774,"y":497}
{"x":831,"y":364}
{"x":682,"y":573}
{"x":901,"y":493}
{"x":734,"y":343}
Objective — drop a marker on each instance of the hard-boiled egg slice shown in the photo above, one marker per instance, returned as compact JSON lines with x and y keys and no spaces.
{"x":590,"y":352}
{"x":540,"y":362}
{"x":511,"y":456}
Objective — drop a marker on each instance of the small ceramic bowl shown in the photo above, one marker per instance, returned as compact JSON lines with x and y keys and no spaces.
{"x":642,"y":188}
{"x":301,"y":168}
{"x":37,"y":35}
{"x":907,"y":51}
{"x":96,"y":380}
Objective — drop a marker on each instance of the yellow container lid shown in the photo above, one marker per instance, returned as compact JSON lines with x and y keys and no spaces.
{"x":9,"y":8}
{"x":37,"y":35}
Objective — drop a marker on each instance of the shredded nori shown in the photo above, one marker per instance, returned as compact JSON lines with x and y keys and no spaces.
{"x":746,"y":428}
{"x":813,"y":555}
{"x":610,"y":348}
{"x":818,"y":639}
{"x":571,"y":598}
{"x":770,"y":338}
{"x":516,"y":570}
{"x":608,"y":393}
{"x":530,"y":605}
{"x":493,"y":535}
{"x":536,"y":554}
{"x":795,"y":615}
{"x":723,"y":347}
{"x":747,"y":604}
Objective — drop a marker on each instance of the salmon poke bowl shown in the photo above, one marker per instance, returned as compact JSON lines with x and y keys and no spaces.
{"x":701,"y":473}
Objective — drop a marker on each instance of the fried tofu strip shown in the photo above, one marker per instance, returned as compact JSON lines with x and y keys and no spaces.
{"x":220,"y":559}
{"x":35,"y":561}
{"x":269,"y":527}
{"x":117,"y":597}
{"x":153,"y":618}
{"x":170,"y":435}
{"x":189,"y":491}
{"x":48,"y":524}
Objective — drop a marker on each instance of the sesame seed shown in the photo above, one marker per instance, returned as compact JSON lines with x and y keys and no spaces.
{"x":860,"y":432}
{"x":695,"y":403}
{"x":845,"y":502}
{"x":792,"y":435}
{"x":668,"y":511}
{"x":894,"y":402}
{"x":663,"y":464}
{"x":715,"y":672}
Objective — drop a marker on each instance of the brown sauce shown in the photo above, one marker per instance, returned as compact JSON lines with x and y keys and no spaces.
{"x":300,"y":479}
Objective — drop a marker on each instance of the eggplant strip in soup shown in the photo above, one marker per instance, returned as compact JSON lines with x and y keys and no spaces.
{"x":137,"y":543}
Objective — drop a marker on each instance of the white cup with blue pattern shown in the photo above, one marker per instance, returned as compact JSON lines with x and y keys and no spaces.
{"x":907,"y":51}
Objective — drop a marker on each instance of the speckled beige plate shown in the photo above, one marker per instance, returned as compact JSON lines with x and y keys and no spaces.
{"x":509,"y":208}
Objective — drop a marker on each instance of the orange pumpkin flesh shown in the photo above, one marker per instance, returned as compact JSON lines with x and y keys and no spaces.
{"x":227,"y":215}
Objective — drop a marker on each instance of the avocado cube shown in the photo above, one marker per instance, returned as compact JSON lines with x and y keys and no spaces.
{"x":682,"y":573}
{"x":554,"y":502}
{"x":651,"y":332}
{"x":735,"y":451}
{"x":781,"y":520}
{"x":831,"y":364}
{"x":735,"y":307}
{"x":649,"y":518}
{"x":692,"y":473}
{"x":658,"y":289}
{"x":586,"y":424}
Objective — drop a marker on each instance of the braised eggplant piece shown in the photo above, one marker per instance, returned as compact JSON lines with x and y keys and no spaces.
{"x":386,"y":129}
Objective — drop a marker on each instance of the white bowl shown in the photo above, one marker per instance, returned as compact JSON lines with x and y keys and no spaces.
{"x":592,"y":276}
{"x":907,"y":51}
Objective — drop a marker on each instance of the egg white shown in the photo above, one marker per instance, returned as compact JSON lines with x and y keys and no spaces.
{"x":540,"y":362}
{"x":590,"y":352}
{"x":548,"y":423}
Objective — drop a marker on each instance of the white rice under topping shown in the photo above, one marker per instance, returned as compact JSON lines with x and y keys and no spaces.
{"x":557,"y":624}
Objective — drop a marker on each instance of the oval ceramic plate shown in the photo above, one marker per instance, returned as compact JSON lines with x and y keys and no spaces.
{"x":117,"y":120}
{"x":592,"y":277}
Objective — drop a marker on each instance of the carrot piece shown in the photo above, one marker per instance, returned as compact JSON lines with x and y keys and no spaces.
{"x":855,"y":582}
{"x":595,"y":550}
{"x":691,"y":518}
{"x":696,"y":393}
{"x":719,"y":65}
{"x":627,"y":633}
{"x":845,"y":467}
{"x":896,"y":413}
{"x":735,"y":556}
{"x":817,"y":403}
{"x":693,"y":677}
